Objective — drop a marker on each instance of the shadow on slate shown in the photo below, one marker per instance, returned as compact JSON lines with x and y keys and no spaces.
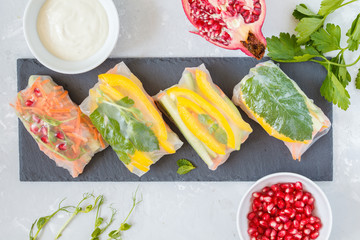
{"x":259,"y":155}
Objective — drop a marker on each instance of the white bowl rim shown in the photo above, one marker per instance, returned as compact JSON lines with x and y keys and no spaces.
{"x":105,"y":55}
{"x":301,"y":178}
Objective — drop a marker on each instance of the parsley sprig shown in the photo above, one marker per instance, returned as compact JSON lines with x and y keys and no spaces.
{"x":313,"y":40}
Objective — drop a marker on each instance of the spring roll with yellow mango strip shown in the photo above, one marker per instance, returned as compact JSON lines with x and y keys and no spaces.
{"x":205,"y":115}
{"x":128,"y":119}
{"x":276,"y":102}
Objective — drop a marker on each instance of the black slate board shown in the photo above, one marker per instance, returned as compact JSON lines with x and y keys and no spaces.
{"x":259,"y":155}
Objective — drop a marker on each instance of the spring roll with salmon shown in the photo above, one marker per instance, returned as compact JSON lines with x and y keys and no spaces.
{"x":61,"y":130}
{"x":205,"y":116}
{"x":276,"y":102}
{"x":128,"y":119}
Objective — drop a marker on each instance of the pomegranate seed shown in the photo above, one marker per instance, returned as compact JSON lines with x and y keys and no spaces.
{"x":289,"y":198}
{"x":270,"y":207}
{"x":36,"y":118}
{"x":273,"y":224}
{"x":265,"y":189}
{"x":62,"y":146}
{"x":312,"y":220}
{"x":29,"y":103}
{"x":296,"y":224}
{"x":288,"y":237}
{"x":278,"y":220}
{"x":60,"y":135}
{"x":34,"y":128}
{"x":307,"y":231}
{"x":265,"y":238}
{"x":260,"y":213}
{"x":260,"y":230}
{"x":293,"y":231}
{"x":284,"y":219}
{"x":309,"y":226}
{"x":281,"y":204}
{"x":284,"y":185}
{"x":266,"y":217}
{"x":298,"y":236}
{"x":317,"y":226}
{"x":289,"y":190}
{"x":306,"y":238}
{"x":268,"y":199}
{"x":256,"y":222}
{"x":304,"y":222}
{"x":299,"y":209}
{"x":45,"y":139}
{"x":299,"y":204}
{"x":298,"y":217}
{"x":251,"y":215}
{"x":298,"y":186}
{"x":275,"y":187}
{"x":307,"y":210}
{"x":273,"y":211}
{"x":256,"y":194}
{"x":37,"y":92}
{"x":311,"y":201}
{"x":44,"y":130}
{"x":273,"y":234}
{"x":280,"y":227}
{"x":282,"y":233}
{"x":263,"y":223}
{"x":314,"y":235}
{"x":280,"y":195}
{"x":270,"y":193}
{"x":251,"y":231}
{"x":268,"y":232}
{"x":298,"y":195}
{"x":287,"y":225}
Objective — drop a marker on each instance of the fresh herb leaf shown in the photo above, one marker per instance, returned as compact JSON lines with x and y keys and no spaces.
{"x":185,"y":169}
{"x":329,"y":40}
{"x":301,"y":11}
{"x":116,"y":234}
{"x":221,"y":135}
{"x":183,"y":162}
{"x":125,"y":226}
{"x":333,"y":91}
{"x":285,"y":48}
{"x":99,"y":220}
{"x":328,"y":6}
{"x":205,"y":119}
{"x":185,"y":166}
{"x":142,"y":137}
{"x":306,"y":27}
{"x":357,"y":80}
{"x":354,"y":34}
{"x":126,"y":102}
{"x":295,"y":118}
{"x":341,"y":72}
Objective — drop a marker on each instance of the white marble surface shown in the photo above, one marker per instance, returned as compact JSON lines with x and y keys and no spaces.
{"x":169,"y":210}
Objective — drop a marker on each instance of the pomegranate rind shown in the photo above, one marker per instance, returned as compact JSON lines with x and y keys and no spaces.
{"x":252,"y":42}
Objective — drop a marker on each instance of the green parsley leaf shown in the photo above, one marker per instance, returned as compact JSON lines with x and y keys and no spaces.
{"x":285,"y":48}
{"x":333,"y":91}
{"x":328,"y":6}
{"x":184,"y":162}
{"x":329,"y":40}
{"x":357,"y":80}
{"x":185,"y":169}
{"x":342,"y":73}
{"x":303,"y":11}
{"x":126,"y":102}
{"x":354,"y":34}
{"x":306,"y":27}
{"x":125,"y":226}
{"x":185,"y":166}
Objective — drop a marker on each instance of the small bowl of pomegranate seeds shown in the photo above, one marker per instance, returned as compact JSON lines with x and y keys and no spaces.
{"x":284,"y":206}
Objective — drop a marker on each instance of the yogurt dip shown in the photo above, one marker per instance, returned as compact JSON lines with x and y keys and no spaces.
{"x":72,"y":30}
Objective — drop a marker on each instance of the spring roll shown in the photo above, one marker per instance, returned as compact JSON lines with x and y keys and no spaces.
{"x":60,"y":129}
{"x":128,"y":119}
{"x":276,"y":102}
{"x":205,"y":116}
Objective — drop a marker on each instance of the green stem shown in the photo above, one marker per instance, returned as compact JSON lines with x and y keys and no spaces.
{"x":336,"y":64}
{"x":347,"y":3}
{"x":66,"y":223}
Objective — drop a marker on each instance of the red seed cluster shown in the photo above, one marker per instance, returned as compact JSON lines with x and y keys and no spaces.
{"x":283,"y":212}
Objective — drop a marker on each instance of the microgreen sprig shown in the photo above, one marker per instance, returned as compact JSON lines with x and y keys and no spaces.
{"x":99,"y":221}
{"x":42,"y":221}
{"x":124,"y":226}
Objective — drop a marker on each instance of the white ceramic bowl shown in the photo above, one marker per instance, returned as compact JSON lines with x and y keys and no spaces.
{"x":322,"y":205}
{"x":59,"y":65}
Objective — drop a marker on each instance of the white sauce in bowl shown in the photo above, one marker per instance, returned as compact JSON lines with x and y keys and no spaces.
{"x":72,"y":30}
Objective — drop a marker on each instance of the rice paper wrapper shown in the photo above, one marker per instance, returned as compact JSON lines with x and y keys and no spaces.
{"x":60,"y":129}
{"x":271,"y":98}
{"x":205,"y":115}
{"x":128,"y":119}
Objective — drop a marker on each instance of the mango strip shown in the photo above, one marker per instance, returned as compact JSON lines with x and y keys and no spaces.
{"x":193,"y":124}
{"x":159,"y":125}
{"x":208,"y":91}
{"x":211,"y":110}
{"x":111,"y":92}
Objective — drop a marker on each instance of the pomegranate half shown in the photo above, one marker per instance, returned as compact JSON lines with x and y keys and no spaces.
{"x":230,"y":24}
